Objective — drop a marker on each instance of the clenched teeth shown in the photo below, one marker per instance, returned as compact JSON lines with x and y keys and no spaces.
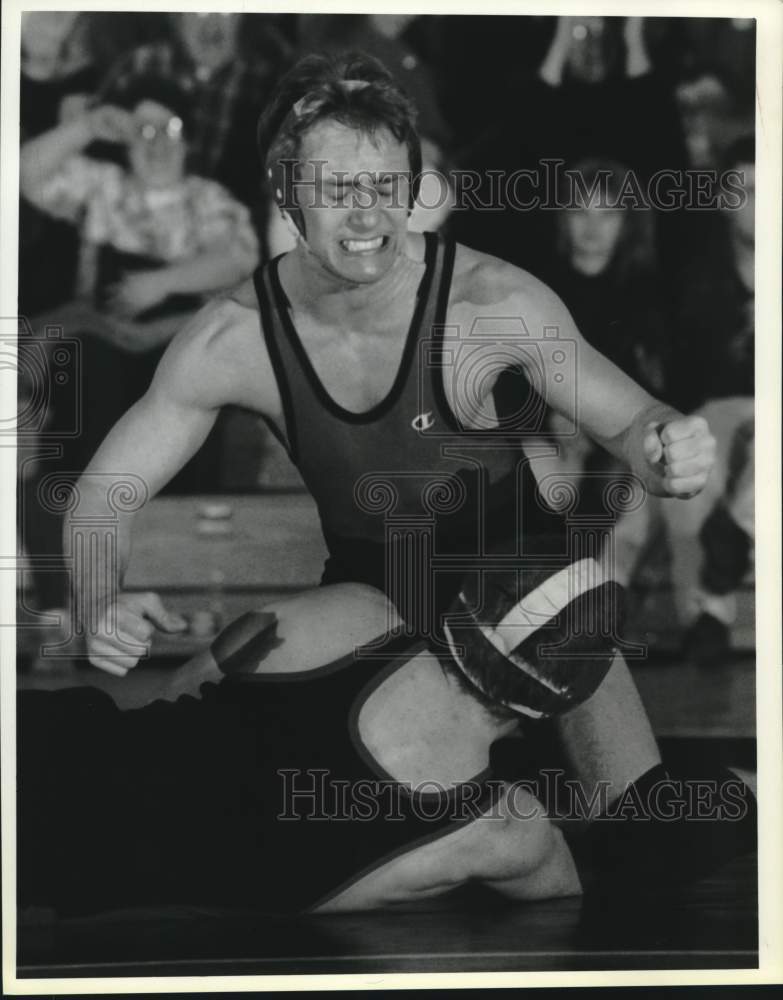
{"x":357,"y":246}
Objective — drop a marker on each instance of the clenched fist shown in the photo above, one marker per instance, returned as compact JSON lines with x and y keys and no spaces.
{"x":124,"y":628}
{"x":682,"y":452}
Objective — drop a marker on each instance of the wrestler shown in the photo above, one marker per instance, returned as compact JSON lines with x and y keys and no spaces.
{"x":289,"y":769}
{"x":313,"y":345}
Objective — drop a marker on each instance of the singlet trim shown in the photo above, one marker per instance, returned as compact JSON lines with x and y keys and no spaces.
{"x":369,"y":758}
{"x":489,"y":801}
{"x":288,"y":440}
{"x":438,"y":388}
{"x":367,"y":416}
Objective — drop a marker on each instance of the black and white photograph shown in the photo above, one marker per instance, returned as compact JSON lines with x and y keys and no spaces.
{"x":382,"y":596}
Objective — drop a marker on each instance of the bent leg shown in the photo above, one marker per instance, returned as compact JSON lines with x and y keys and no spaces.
{"x":609,"y":738}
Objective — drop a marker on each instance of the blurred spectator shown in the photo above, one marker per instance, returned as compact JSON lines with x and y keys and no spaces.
{"x":55,"y":62}
{"x":605,"y":271}
{"x":155,"y":239}
{"x":717,"y":90}
{"x":595,"y":94}
{"x":40,"y":582}
{"x":724,"y":48}
{"x":55,"y":65}
{"x":228,"y":84}
{"x":715,"y":304}
{"x":726,"y":537}
{"x":479,"y":64}
{"x":709,"y":537}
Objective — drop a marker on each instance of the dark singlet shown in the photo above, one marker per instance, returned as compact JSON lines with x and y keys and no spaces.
{"x":408,"y":497}
{"x":261,"y":794}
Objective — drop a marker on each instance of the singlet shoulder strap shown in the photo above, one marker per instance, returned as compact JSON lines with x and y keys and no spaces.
{"x":273,"y":333}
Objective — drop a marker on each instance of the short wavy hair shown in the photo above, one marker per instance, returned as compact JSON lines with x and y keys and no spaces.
{"x":319,"y":82}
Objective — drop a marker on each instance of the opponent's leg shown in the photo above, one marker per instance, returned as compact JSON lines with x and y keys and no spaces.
{"x":609,"y":737}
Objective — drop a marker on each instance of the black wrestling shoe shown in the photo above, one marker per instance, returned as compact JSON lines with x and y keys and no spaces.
{"x":707,"y":642}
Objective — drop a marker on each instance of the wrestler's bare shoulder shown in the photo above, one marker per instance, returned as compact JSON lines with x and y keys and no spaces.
{"x":485,"y":286}
{"x":222,"y":351}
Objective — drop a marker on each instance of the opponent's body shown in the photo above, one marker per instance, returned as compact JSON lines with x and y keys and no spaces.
{"x":233,"y":797}
{"x":289,"y":771}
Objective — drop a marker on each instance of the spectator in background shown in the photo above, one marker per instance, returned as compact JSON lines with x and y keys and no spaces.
{"x":717,"y":87}
{"x":712,"y":545}
{"x":605,"y":270}
{"x":55,"y":62}
{"x":478,"y":64}
{"x":595,"y":94}
{"x":55,"y":65}
{"x":715,"y":301}
{"x":228,"y":82}
{"x":56,"y":69}
{"x":711,"y":540}
{"x":155,"y":240}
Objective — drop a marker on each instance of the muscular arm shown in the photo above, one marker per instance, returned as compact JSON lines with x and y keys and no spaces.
{"x":206,"y":366}
{"x":594,"y":393}
{"x":580,"y":383}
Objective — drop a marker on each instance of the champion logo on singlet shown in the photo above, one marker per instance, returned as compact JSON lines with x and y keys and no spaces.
{"x":423,"y":422}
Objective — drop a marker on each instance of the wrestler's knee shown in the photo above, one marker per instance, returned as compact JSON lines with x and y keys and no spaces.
{"x":523,"y":836}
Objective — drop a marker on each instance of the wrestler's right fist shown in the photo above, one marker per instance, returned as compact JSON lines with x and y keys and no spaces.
{"x":123,"y":629}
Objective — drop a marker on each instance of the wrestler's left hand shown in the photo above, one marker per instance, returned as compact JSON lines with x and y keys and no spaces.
{"x":682,"y":452}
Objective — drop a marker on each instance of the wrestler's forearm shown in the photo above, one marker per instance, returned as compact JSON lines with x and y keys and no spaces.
{"x":97,"y":536}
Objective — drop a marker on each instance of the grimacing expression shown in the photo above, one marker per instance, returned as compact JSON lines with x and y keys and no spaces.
{"x":158,"y":150}
{"x":352,"y":191}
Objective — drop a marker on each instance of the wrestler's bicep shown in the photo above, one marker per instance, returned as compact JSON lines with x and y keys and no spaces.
{"x":157,"y":435}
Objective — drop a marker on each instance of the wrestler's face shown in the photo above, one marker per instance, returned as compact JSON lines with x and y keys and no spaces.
{"x":353,"y":194}
{"x":594,"y":232}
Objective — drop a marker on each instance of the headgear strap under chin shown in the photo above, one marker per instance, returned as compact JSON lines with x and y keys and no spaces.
{"x":281,"y":180}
